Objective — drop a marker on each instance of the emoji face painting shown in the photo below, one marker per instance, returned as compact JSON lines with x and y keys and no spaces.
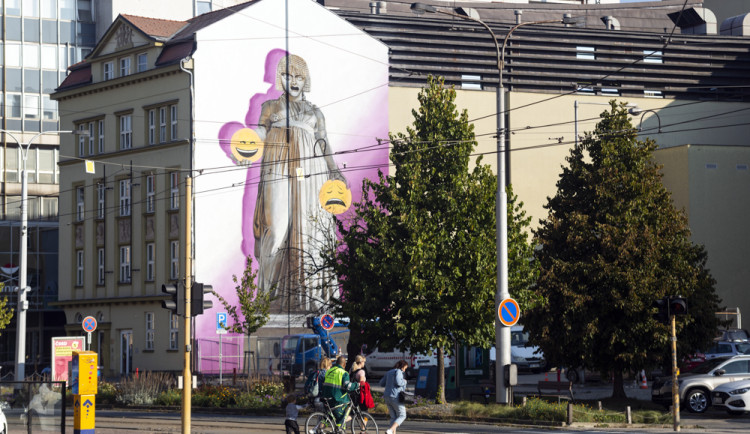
{"x":246,"y":146}
{"x":335,"y":197}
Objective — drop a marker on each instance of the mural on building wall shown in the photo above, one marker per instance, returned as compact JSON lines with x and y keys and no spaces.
{"x":287,"y":218}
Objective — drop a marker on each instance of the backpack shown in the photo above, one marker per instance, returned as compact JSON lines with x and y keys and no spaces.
{"x":312,"y":385}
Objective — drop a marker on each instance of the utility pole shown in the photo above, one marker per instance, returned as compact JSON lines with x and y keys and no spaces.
{"x":187,"y":376}
{"x":675,"y":386}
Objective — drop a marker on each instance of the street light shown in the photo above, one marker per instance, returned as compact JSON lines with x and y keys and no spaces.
{"x":22,"y":303}
{"x":638,"y":111}
{"x":502,"y":333}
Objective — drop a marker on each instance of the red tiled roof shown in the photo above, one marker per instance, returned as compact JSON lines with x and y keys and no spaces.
{"x":174,"y":52}
{"x":155,"y":27}
{"x":80,"y":74}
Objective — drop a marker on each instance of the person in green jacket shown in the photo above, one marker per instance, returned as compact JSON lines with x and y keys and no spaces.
{"x":336,"y":388}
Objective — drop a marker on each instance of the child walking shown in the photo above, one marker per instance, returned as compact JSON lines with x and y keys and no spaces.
{"x":292,"y":410}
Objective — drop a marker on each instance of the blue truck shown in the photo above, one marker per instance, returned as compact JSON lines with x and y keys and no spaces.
{"x":301,"y":353}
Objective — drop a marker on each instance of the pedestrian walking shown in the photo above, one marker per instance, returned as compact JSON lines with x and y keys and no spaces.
{"x":292,"y":411}
{"x":395,"y":395}
{"x":314,"y":383}
{"x":359,"y":375}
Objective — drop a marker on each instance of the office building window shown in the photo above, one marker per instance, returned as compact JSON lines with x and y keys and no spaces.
{"x":126,"y":131}
{"x":151,"y":127}
{"x":92,"y":139}
{"x":174,"y":324}
{"x":124,"y":66}
{"x":149,"y":330}
{"x":81,"y":141}
{"x":174,"y":260}
{"x":108,"y":71}
{"x":125,"y":197}
{"x":651,"y":56}
{"x":124,"y":264}
{"x":142,"y":62}
{"x":150,"y":193}
{"x":79,"y":267}
{"x":100,"y":266}
{"x":150,"y":261}
{"x":173,"y":120}
{"x":100,"y":204}
{"x":162,"y":124}
{"x":174,"y":190}
{"x":586,"y":53}
{"x":80,"y":205}
{"x":101,"y":136}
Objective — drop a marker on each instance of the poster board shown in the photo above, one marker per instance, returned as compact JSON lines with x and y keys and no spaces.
{"x":62,"y":355}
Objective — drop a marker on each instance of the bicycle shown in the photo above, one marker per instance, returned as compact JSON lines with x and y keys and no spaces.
{"x":323,"y":422}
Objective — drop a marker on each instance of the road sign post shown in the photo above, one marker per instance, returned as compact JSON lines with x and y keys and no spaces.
{"x":327,"y":322}
{"x":508,"y":312}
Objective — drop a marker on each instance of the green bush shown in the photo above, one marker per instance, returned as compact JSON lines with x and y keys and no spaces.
{"x":142,"y":389}
{"x":214,"y":396}
{"x":169,"y":397}
{"x":106,"y":393}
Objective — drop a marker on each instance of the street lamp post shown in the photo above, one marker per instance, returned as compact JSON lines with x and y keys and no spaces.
{"x":502,"y":333}
{"x":22,"y":302}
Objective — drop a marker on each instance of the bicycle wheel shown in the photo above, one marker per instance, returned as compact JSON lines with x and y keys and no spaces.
{"x":319,"y":423}
{"x":364,"y":423}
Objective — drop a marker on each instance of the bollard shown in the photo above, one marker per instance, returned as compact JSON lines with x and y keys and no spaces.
{"x":599,"y":403}
{"x":628,"y":415}
{"x":570,"y":413}
{"x":523,"y":402}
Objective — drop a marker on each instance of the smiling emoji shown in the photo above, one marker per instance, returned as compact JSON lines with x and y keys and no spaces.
{"x":335,"y":197}
{"x":246,"y":145}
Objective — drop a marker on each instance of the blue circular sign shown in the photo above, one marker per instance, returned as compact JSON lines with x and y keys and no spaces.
{"x":508,"y":312}
{"x":89,"y":324}
{"x":326,"y":321}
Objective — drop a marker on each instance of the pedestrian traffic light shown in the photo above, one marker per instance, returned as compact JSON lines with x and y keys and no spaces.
{"x":661,"y":305}
{"x":176,"y":302}
{"x":197,"y":303}
{"x":678,"y":306}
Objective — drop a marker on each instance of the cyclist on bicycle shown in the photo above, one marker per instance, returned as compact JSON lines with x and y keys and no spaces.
{"x":336,"y":388}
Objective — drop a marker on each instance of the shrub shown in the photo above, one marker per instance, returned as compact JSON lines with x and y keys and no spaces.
{"x":142,"y":389}
{"x":214,"y":396}
{"x":106,"y":393}
{"x":169,"y":397}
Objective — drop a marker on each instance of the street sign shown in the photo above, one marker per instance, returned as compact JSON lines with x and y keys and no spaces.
{"x":508,"y":312}
{"x":221,"y":323}
{"x":89,"y":324}
{"x":326,"y":321}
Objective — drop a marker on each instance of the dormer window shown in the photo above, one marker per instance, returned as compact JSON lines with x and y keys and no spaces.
{"x":108,"y":71}
{"x":124,"y":66}
{"x":142,"y":62}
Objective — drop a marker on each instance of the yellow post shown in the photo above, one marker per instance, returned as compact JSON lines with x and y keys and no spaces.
{"x":675,"y":373}
{"x":187,"y":376}
{"x":84,"y":388}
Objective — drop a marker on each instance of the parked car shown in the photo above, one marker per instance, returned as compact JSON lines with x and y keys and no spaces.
{"x":379,"y":362}
{"x":726,"y":348}
{"x":527,"y":357}
{"x":695,"y":387}
{"x":734,"y":335}
{"x":734,"y":397}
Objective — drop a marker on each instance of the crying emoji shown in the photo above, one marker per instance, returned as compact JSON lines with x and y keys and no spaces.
{"x":335,"y":197}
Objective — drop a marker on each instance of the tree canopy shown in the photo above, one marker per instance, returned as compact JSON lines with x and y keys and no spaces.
{"x":253,"y":303}
{"x":611,"y":245}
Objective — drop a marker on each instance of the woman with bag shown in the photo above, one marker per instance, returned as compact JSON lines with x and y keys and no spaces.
{"x":395,"y":390}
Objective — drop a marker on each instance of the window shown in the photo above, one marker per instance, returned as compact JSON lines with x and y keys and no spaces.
{"x":126,"y":131}
{"x":174,"y":260}
{"x":473,"y":82}
{"x":101,"y":136}
{"x":124,"y":66}
{"x":149,"y":330}
{"x":81,"y":141}
{"x":79,"y":267}
{"x":174,"y":190}
{"x":584,"y":88}
{"x":80,"y":205}
{"x":651,"y":56}
{"x":150,"y":193}
{"x":92,"y":139}
{"x":150,"y":254}
{"x":108,"y":71}
{"x":125,"y":197}
{"x":174,"y":330}
{"x":162,"y":124}
{"x":586,"y":53}
{"x":142,"y":62}
{"x":100,"y":266}
{"x":173,"y":120}
{"x":652,"y":93}
{"x":151,"y":127}
{"x":124,"y":264}
{"x":100,"y":195}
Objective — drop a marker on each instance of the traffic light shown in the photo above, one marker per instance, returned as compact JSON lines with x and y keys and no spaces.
{"x":177,"y":302}
{"x":197,"y":303}
{"x":678,"y":306}
{"x":661,"y":315}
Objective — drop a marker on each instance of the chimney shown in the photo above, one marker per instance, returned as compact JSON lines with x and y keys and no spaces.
{"x":518,"y":13}
{"x":378,"y":8}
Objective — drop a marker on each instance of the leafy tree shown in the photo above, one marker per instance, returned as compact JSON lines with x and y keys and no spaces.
{"x":254,"y":304}
{"x":417,"y":263}
{"x":523,"y":269}
{"x":6,"y":314}
{"x":612,"y":244}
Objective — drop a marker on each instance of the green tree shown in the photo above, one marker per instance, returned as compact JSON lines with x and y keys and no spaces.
{"x":6,"y":314}
{"x":612,"y":244}
{"x":523,"y":269}
{"x":253,"y":303}
{"x":418,"y":260}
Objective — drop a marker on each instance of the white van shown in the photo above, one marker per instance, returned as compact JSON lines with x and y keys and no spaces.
{"x":527,"y":357}
{"x":380,"y":362}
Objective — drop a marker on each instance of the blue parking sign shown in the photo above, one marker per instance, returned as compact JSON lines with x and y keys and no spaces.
{"x":221,"y":323}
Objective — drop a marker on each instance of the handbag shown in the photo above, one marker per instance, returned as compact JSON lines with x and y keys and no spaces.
{"x":401,"y":397}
